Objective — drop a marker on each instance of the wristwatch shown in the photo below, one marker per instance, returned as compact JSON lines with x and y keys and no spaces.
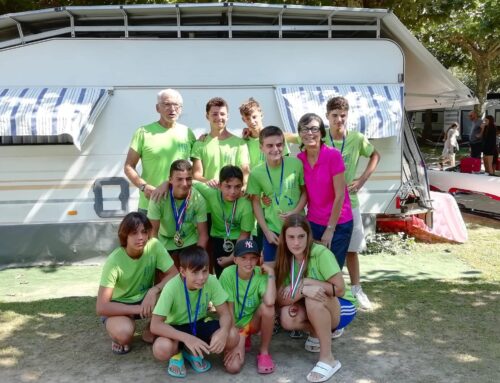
{"x":142,"y":187}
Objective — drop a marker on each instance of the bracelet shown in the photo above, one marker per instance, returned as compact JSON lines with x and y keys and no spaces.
{"x":271,"y":276}
{"x":331,"y":227}
{"x":333,"y":289}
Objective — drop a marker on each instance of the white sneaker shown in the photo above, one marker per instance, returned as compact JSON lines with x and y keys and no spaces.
{"x":338,"y":333}
{"x":363,"y":300}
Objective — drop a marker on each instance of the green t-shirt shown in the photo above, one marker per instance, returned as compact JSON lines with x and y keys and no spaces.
{"x":256,"y":291}
{"x":256,"y":155}
{"x":243,"y":220}
{"x":356,"y":145}
{"x":162,"y":211}
{"x":172,"y":301}
{"x":158,"y":147}
{"x":321,"y":266}
{"x":293,"y":179}
{"x":132,"y":278}
{"x":215,"y":154}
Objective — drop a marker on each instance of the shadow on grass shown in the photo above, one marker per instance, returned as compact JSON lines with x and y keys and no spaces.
{"x":419,"y":331}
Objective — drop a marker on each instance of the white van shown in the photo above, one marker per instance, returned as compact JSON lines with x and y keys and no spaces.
{"x":76,"y":82}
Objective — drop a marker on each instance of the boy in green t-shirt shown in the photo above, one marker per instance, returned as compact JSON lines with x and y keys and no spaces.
{"x":219,"y":147}
{"x":127,"y":289}
{"x":180,"y":317}
{"x":280,"y":179}
{"x":251,"y":114}
{"x":232,"y":215}
{"x":180,"y":220}
{"x":252,"y":294}
{"x":352,"y":145}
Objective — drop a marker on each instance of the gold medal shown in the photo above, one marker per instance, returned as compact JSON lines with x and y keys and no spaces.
{"x":178,"y":239}
{"x":228,"y":245}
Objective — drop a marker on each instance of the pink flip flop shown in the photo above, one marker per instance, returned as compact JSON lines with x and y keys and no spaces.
{"x":265,"y":364}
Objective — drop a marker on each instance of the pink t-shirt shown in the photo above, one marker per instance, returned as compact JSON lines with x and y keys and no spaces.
{"x":319,"y":186}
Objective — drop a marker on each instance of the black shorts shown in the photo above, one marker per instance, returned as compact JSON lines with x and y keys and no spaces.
{"x":204,"y":330}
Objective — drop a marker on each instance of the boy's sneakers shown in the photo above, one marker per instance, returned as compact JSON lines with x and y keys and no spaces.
{"x":337,"y":333}
{"x":363,"y":300}
{"x":296,"y":334}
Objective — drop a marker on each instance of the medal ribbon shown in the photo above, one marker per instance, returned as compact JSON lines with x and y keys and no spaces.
{"x":276,"y":197}
{"x":295,"y":283}
{"x":181,"y":213}
{"x":240,"y":315}
{"x":343,"y":142}
{"x":192,"y":323}
{"x":226,"y":224}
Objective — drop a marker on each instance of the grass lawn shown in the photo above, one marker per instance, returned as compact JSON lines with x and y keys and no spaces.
{"x":435,"y":320}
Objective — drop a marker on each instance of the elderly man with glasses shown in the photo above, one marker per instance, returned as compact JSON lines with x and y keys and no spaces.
{"x":157,"y":145}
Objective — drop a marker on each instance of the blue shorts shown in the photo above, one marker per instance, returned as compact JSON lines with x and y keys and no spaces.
{"x":269,"y":249}
{"x":347,"y":313}
{"x":204,"y":330}
{"x":340,"y":241}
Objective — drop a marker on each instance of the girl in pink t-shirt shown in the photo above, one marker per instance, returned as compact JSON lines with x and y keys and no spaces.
{"x":328,"y":209}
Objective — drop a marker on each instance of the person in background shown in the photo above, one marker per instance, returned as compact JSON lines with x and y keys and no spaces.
{"x":489,"y":144}
{"x":450,"y":144}
{"x":475,"y":139}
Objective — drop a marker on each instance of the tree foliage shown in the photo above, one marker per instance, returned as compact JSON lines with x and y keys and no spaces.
{"x":462,"y":34}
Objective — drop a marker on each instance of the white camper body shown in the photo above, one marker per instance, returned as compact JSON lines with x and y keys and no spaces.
{"x":63,"y":202}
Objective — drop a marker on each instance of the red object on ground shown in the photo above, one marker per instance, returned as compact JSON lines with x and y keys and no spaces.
{"x":448,"y":224}
{"x":498,"y":164}
{"x":469,"y":165}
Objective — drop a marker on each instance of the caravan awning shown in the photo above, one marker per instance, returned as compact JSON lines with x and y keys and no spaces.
{"x":374,"y":110}
{"x":50,"y":112}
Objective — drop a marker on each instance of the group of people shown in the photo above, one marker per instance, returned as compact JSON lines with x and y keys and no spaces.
{"x":482,"y":141}
{"x":221,"y":245}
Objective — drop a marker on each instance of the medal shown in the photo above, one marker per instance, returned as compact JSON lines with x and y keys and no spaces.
{"x":178,"y":239}
{"x":228,"y":246}
{"x":277,"y":196}
{"x":179,"y":216}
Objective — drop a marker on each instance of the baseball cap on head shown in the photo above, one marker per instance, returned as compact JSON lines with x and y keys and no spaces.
{"x":245,"y":246}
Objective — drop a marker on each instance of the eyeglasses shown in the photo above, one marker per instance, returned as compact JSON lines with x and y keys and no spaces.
{"x":172,"y":105}
{"x":312,"y":129}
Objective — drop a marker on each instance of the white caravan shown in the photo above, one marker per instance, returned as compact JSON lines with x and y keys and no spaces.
{"x":76,"y":82}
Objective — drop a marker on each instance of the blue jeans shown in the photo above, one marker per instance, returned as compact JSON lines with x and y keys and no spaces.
{"x":340,"y":240}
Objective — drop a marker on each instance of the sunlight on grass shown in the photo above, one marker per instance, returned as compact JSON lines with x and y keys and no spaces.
{"x":49,"y":335}
{"x":9,"y":356}
{"x":10,"y":322}
{"x":52,"y":315}
{"x":465,"y":358}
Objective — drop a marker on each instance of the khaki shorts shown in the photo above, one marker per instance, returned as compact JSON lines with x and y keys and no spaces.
{"x":358,"y":242}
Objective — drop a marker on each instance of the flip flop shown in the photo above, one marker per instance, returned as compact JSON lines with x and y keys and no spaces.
{"x":177,"y":361}
{"x":265,"y":364}
{"x":325,"y":370}
{"x":196,"y":362}
{"x":312,"y":344}
{"x":119,"y":349}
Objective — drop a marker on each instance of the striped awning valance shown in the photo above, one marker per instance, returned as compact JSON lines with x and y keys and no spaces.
{"x":51,"y":111}
{"x":374,"y":110}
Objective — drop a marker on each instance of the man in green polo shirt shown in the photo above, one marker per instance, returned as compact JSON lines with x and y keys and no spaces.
{"x":157,"y":145}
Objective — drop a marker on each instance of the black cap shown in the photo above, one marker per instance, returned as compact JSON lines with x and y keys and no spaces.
{"x":245,"y":246}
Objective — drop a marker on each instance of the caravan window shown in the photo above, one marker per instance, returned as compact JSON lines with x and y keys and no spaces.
{"x":49,"y":116}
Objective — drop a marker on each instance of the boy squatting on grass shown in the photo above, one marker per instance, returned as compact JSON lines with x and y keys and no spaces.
{"x":127,"y":291}
{"x":252,"y":295}
{"x":179,"y":318}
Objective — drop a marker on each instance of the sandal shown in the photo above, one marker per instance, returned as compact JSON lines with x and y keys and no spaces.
{"x":176,"y":361}
{"x":198,"y":364}
{"x":119,"y":349}
{"x":265,"y":364}
{"x":325,"y":370}
{"x":312,"y":344}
